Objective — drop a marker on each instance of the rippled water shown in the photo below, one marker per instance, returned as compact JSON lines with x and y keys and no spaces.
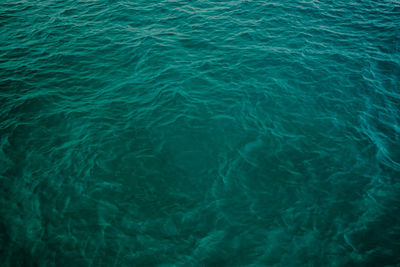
{"x":214,"y":133}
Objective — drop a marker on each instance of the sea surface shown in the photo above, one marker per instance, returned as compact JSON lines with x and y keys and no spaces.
{"x":200,"y":133}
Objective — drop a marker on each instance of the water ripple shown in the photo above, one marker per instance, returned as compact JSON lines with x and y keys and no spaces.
{"x":215,"y":133}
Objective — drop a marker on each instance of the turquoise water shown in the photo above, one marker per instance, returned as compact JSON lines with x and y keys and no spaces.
{"x":201,"y":133}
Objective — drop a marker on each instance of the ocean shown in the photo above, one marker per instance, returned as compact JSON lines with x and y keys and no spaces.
{"x":200,"y":133}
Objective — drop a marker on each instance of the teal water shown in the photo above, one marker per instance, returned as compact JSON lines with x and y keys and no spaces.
{"x":200,"y":133}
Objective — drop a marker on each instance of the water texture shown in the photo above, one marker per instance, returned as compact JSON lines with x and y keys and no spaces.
{"x":200,"y":133}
